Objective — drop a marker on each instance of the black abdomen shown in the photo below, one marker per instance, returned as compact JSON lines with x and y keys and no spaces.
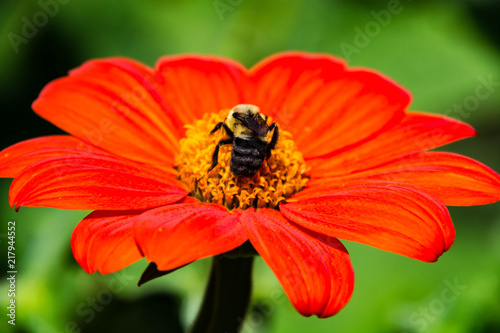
{"x":247,"y":156}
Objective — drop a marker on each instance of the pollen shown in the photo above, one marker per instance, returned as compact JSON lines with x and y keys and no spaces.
{"x":280,"y":176}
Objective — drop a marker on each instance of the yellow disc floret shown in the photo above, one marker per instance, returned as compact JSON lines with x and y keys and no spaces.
{"x":280,"y":176}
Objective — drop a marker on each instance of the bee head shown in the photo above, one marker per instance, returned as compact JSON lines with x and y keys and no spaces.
{"x":246,"y":119}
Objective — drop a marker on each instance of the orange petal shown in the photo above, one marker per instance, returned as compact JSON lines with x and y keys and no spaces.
{"x":417,"y":132}
{"x":104,"y":241}
{"x":325,"y":106}
{"x":193,"y":85}
{"x":19,"y":156}
{"x":398,"y":218}
{"x":176,"y":235}
{"x":314,"y":270}
{"x":111,"y":104}
{"x":97,"y":182}
{"x":454,"y":179}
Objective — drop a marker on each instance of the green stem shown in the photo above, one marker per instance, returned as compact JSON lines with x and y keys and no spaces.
{"x":227,"y":296}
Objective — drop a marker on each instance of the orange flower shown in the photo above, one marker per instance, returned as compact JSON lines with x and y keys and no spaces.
{"x":351,"y":163}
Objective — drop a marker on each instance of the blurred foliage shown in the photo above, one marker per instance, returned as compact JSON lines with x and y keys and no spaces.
{"x":440,"y":50}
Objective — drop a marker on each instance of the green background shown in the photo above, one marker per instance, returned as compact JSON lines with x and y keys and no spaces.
{"x":439,"y":50}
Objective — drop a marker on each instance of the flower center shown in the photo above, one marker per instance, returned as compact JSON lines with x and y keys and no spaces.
{"x":280,"y":175}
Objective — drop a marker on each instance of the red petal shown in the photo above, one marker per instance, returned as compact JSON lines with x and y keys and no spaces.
{"x":193,"y":85}
{"x":416,"y":132}
{"x":19,"y":156}
{"x":97,"y":183}
{"x":393,"y":217}
{"x":454,"y":179}
{"x":104,"y":241}
{"x":314,"y":270}
{"x":112,"y":105}
{"x":325,"y":106}
{"x":178,"y":234}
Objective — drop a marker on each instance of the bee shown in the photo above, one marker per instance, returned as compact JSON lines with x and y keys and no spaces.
{"x":248,"y":133}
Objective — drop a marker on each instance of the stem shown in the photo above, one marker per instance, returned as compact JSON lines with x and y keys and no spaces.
{"x":227,"y":296}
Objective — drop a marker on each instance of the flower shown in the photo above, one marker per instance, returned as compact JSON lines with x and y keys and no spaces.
{"x":351,"y":163}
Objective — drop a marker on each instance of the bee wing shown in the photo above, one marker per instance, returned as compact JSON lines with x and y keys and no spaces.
{"x":255,"y":123}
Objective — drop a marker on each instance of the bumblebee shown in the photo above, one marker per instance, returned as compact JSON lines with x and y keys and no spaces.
{"x":248,"y":133}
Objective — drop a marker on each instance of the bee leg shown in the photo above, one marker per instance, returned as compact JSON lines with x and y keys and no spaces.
{"x":215,"y":156}
{"x":274,"y":139}
{"x":222,"y":124}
